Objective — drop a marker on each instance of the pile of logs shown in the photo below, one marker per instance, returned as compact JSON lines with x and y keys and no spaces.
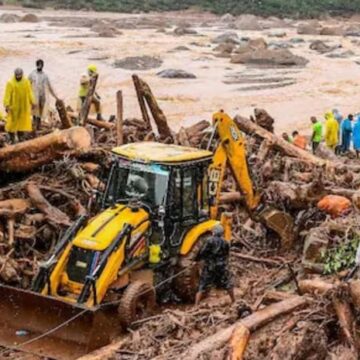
{"x":47,"y":183}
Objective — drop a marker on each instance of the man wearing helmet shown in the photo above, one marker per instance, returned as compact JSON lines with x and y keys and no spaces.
{"x":215,"y":273}
{"x":84,"y":90}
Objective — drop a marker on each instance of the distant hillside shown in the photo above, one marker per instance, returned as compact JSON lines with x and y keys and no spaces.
{"x":304,"y":8}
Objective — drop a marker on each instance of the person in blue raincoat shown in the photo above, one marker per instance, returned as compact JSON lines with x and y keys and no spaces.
{"x":356,"y":136}
{"x":346,"y":132}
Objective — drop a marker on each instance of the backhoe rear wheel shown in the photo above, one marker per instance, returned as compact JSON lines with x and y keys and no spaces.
{"x":186,"y":284}
{"x":137,"y":302}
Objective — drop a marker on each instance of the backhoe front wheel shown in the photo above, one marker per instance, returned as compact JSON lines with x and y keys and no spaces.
{"x":137,"y":302}
{"x":186,"y":284}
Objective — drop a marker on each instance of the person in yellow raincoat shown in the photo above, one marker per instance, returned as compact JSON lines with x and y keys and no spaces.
{"x":18,"y":102}
{"x":331,"y":131}
{"x":85,"y":83}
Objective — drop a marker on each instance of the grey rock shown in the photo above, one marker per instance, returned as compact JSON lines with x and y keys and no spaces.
{"x":138,"y":63}
{"x":228,"y":37}
{"x":175,"y":74}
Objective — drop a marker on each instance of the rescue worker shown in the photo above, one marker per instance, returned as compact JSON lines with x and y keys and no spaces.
{"x":346,"y":131}
{"x":299,"y":140}
{"x":215,"y":273}
{"x":287,"y":137}
{"x":331,"y":131}
{"x":41,"y":86}
{"x":18,"y":102}
{"x":85,"y":82}
{"x":356,"y":136}
{"x":317,"y":130}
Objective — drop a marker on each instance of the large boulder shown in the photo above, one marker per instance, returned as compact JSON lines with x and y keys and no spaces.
{"x":339,"y":54}
{"x":138,"y":63}
{"x":248,"y":23}
{"x":9,"y":18}
{"x":321,"y":47}
{"x":104,"y":29}
{"x":224,"y":50}
{"x":353,"y":30}
{"x":268,"y":57}
{"x":175,"y":74}
{"x":332,"y":31}
{"x":228,"y":37}
{"x":227,"y":18}
{"x":30,"y":18}
{"x":252,"y":44}
{"x":277,"y":33}
{"x":309,"y":28}
{"x":182,"y":30}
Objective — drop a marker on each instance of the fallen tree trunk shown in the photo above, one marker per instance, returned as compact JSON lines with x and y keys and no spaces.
{"x":52,"y":213}
{"x":288,"y":149}
{"x":63,"y":115}
{"x":39,"y":201}
{"x":252,"y":322}
{"x":29,"y":155}
{"x":144,"y":91}
{"x":142,"y":104}
{"x":315,"y":286}
{"x":93,"y":121}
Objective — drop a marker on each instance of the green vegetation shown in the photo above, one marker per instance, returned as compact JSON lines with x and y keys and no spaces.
{"x":341,"y":257}
{"x":303,"y":8}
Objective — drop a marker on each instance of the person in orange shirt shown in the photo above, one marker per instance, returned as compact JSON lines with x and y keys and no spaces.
{"x":299,"y":140}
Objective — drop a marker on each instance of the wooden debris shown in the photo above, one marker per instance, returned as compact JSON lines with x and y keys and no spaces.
{"x":119,"y":119}
{"x":31,"y":154}
{"x":53,"y":214}
{"x":63,"y":115}
{"x":85,"y":109}
{"x":144,"y":91}
{"x":252,"y":322}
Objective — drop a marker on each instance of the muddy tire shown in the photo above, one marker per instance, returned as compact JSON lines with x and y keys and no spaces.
{"x":137,"y":302}
{"x":186,"y":285}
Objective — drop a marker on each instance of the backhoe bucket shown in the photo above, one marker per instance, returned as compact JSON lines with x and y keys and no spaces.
{"x":49,"y":327}
{"x":282,"y":223}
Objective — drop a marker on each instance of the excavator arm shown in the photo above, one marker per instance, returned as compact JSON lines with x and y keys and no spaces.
{"x":231,"y":152}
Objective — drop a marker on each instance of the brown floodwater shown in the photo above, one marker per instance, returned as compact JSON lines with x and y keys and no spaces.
{"x":322,"y":85}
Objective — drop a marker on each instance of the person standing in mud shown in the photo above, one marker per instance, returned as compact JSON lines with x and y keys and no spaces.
{"x":317,"y":130}
{"x":215,"y":273}
{"x":18,"y":103}
{"x":85,"y":83}
{"x":331,"y":131}
{"x":346,"y":131}
{"x":41,"y":86}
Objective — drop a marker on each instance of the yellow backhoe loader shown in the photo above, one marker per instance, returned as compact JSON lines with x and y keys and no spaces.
{"x":159,"y":204}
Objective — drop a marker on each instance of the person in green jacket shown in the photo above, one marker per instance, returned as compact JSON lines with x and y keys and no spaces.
{"x":317,"y":133}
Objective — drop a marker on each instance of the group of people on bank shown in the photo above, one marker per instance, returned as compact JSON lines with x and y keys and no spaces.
{"x":338,"y":133}
{"x":26,"y":100}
